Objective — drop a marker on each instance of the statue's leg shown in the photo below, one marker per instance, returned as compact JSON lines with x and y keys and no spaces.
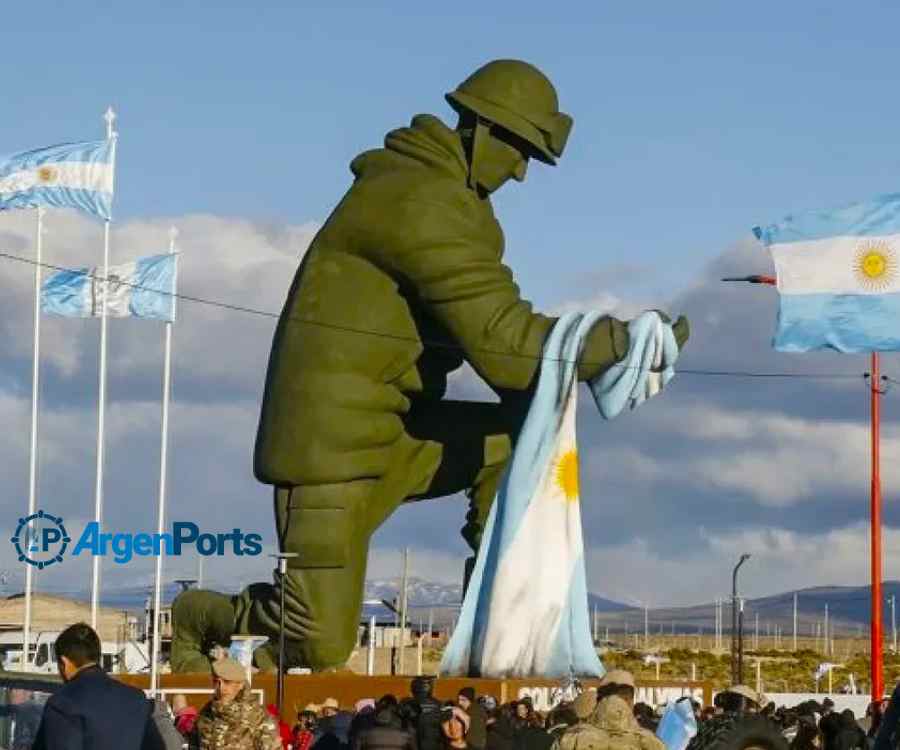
{"x":477,"y":441}
{"x":448,"y":447}
{"x":323,"y":587}
{"x":329,"y":527}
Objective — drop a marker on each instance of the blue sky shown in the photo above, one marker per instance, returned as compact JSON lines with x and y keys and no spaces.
{"x":693,"y":122}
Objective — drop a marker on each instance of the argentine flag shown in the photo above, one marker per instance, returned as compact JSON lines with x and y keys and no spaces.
{"x":142,"y":289}
{"x":525,"y":613}
{"x":72,"y":175}
{"x":839,"y":277}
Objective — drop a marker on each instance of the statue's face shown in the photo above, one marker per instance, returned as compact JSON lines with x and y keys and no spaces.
{"x":500,"y":160}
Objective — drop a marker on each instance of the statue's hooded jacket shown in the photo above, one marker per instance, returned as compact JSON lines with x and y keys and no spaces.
{"x":403,"y":282}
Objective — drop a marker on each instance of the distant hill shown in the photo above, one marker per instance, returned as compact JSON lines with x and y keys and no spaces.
{"x":848,"y":607}
{"x":848,"y":612}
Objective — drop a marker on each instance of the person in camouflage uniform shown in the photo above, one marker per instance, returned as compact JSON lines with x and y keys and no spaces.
{"x":614,"y":715}
{"x":234,"y":719}
{"x":583,"y":735}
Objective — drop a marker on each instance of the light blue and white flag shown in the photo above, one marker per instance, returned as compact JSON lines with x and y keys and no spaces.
{"x":678,"y":725}
{"x":71,"y":175}
{"x":144,"y":288}
{"x":525,"y":613}
{"x":838,"y":273}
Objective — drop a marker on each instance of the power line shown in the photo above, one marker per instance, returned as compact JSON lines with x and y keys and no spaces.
{"x":428,"y":343}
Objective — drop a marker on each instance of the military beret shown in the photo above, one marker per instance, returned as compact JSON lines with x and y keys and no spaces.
{"x":230,"y":670}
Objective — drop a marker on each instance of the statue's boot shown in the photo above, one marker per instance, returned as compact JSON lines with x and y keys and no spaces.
{"x":200,"y":620}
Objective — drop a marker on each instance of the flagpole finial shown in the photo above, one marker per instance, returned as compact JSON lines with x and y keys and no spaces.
{"x":110,"y":117}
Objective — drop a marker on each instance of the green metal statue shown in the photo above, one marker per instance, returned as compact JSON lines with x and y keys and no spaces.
{"x":403,"y":283}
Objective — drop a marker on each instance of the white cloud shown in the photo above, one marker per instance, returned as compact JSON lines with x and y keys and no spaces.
{"x":776,"y":459}
{"x":633,"y":572}
{"x":222,"y":259}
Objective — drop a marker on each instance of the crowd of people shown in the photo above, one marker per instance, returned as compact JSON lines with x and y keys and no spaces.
{"x":417,"y":722}
{"x":94,"y":711}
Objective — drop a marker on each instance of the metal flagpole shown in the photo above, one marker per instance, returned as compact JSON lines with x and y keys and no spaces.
{"x":403,"y":607}
{"x":876,"y":624}
{"x":877,"y":678}
{"x":35,"y":389}
{"x":110,"y":118}
{"x":163,"y":460}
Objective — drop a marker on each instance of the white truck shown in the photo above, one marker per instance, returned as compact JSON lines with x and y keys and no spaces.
{"x":115,"y":657}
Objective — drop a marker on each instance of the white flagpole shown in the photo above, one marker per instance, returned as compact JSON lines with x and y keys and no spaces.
{"x":163,"y":459}
{"x":110,"y":118}
{"x":35,"y":390}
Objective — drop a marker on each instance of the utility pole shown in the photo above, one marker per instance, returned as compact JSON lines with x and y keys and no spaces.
{"x":718,"y":638}
{"x":795,"y":622}
{"x":893,"y":623}
{"x":646,"y":626}
{"x":716,"y":626}
{"x":826,"y":633}
{"x":736,"y":624}
{"x":756,"y":633}
{"x":404,"y":586}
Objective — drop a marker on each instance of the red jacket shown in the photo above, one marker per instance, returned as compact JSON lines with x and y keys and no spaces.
{"x":283,"y":729}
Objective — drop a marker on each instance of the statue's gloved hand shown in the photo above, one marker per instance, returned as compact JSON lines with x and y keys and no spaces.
{"x":646,"y":368}
{"x":681,"y":328}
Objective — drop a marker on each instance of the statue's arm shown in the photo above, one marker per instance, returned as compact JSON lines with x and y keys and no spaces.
{"x":458,"y":277}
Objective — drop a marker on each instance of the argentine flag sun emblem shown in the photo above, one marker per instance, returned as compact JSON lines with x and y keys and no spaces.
{"x":839,"y":277}
{"x":567,"y":474}
{"x":876,"y":266}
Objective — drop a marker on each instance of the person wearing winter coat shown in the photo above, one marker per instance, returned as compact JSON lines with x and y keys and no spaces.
{"x":428,"y":726}
{"x":387,"y":733}
{"x":233,"y":719}
{"x":501,"y":732}
{"x":92,"y":709}
{"x":477,"y":735}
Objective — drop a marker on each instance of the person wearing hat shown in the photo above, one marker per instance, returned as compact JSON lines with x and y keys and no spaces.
{"x":477,"y":735}
{"x":234,"y":719}
{"x":402,"y":285}
{"x":739,"y":699}
{"x":614,"y":714}
{"x":583,"y":735}
{"x":329,"y":708}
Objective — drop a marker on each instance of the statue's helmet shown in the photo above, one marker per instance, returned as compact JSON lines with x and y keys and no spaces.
{"x":518,"y":97}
